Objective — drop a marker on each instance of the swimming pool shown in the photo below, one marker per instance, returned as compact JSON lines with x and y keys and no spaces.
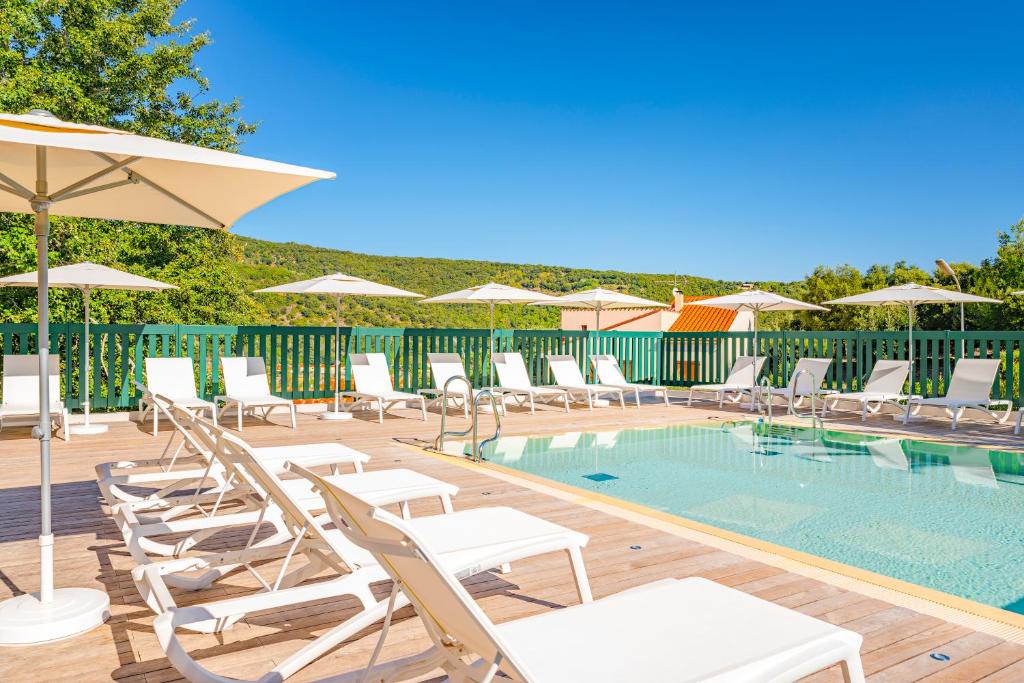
{"x":946,"y":517}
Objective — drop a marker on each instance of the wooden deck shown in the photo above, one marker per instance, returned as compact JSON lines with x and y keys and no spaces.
{"x":89,"y":551}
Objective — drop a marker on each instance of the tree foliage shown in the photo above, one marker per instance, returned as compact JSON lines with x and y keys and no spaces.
{"x":130,"y":64}
{"x":126,"y":64}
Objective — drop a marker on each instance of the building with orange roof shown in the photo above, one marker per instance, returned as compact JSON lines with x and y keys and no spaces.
{"x":684,"y":315}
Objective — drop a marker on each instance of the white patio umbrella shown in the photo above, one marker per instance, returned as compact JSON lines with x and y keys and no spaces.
{"x":86,"y":277}
{"x":757,"y":300}
{"x":599,"y":299}
{"x":70,"y":169}
{"x":911,"y":295}
{"x":337,"y":285}
{"x":492,"y":293}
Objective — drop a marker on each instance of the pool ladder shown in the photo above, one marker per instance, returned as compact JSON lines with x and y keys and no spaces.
{"x":478,"y":446}
{"x":764,"y":407}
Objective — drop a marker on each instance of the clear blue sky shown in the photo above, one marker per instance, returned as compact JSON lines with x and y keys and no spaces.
{"x":748,"y":141}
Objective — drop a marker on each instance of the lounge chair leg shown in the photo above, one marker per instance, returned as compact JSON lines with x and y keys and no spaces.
{"x":533,"y":410}
{"x":956,"y":415}
{"x":689,"y":398}
{"x":238,"y":418}
{"x":404,"y":507}
{"x":622,"y":400}
{"x":292,"y":407}
{"x":380,"y":412}
{"x":863,"y":411}
{"x":156,"y":424}
{"x":446,"y":504}
{"x":423,"y":408}
{"x":579,"y":575}
{"x":567,"y":401}
{"x":664,"y":392}
{"x":505,"y":568}
{"x":590,"y":401}
{"x":853,"y":669}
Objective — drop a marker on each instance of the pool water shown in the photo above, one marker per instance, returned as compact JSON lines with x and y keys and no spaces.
{"x":946,"y":517}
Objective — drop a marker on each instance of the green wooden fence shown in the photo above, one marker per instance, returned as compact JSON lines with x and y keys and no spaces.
{"x":301,"y":359}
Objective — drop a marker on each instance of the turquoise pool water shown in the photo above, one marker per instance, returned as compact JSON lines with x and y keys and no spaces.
{"x":946,"y":517}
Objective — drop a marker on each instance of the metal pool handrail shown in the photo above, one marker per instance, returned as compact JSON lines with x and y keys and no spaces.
{"x":816,"y":420}
{"x":475,"y":455}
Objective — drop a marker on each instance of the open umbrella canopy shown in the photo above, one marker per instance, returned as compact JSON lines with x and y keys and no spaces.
{"x":491,"y":293}
{"x":599,"y":299}
{"x":338,"y":284}
{"x":760,"y":300}
{"x":49,"y":166}
{"x":97,"y":172}
{"x":912,"y":294}
{"x":88,"y":275}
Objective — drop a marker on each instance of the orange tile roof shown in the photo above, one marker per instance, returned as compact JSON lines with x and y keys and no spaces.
{"x":695,"y":318}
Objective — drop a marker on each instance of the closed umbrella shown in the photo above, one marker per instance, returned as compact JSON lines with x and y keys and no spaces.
{"x":757,"y":300}
{"x":911,"y":295}
{"x":71,"y":169}
{"x":337,"y":285}
{"x":86,"y":277}
{"x":492,"y":293}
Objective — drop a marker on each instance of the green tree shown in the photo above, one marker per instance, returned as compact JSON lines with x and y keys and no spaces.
{"x":126,"y":64}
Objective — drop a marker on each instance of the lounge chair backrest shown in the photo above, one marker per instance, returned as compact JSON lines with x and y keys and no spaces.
{"x":809,"y":382}
{"x":442,"y":603}
{"x":888,"y":377}
{"x":236,"y":455}
{"x":171,"y":377}
{"x":511,"y":371}
{"x":566,"y":371}
{"x":245,"y":376}
{"x":606,"y":367}
{"x":973,"y":379}
{"x":444,"y":366}
{"x":744,"y":371}
{"x":21,"y":380}
{"x":370,"y":373}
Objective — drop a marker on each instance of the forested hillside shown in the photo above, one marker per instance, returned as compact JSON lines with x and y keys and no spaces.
{"x":129,"y":64}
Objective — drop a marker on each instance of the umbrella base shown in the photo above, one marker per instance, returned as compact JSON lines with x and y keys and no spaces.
{"x":332,"y":415}
{"x":88,"y":429}
{"x":600,"y":403}
{"x":913,"y":418}
{"x":26,"y":621}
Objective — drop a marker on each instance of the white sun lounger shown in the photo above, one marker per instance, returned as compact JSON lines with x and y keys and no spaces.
{"x":186,"y":478}
{"x":608,"y":373}
{"x":884,"y":385}
{"x":888,"y":454}
{"x":742,"y":378}
{"x":806,"y":380}
{"x":568,"y":376}
{"x":21,"y":392}
{"x":373,"y":385}
{"x":153,"y":575}
{"x":467,"y":542}
{"x":444,"y":366}
{"x":663,"y":632}
{"x":970,"y":388}
{"x":173,"y":378}
{"x":247,"y":389}
{"x":973,"y":466}
{"x":514,"y":382}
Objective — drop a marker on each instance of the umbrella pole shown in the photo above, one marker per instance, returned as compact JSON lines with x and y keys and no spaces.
{"x":490,"y":350}
{"x":47,"y":615}
{"x":753,"y":392}
{"x":42,"y":209}
{"x":87,"y":427}
{"x":910,"y":355}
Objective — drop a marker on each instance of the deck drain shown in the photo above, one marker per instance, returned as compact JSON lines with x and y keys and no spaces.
{"x":939,"y":656}
{"x":636,"y":547}
{"x":485,"y":493}
{"x":599,"y":476}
